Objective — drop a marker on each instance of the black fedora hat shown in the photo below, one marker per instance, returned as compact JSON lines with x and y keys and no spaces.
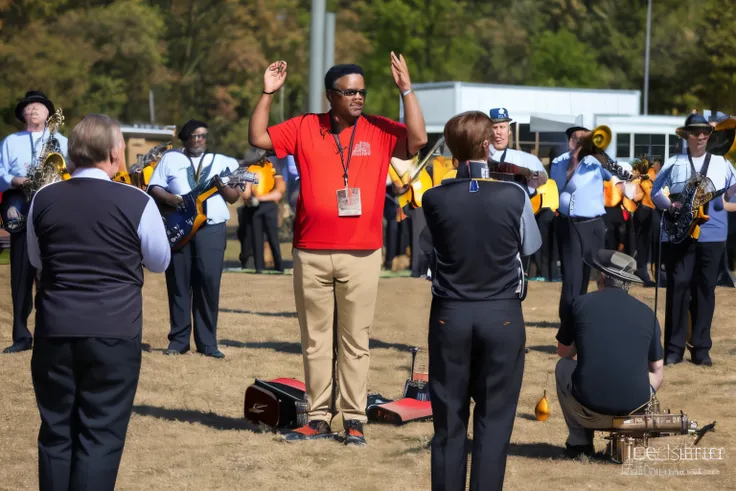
{"x":573,"y":129}
{"x":615,"y":264}
{"x":31,"y":97}
{"x":693,"y":122}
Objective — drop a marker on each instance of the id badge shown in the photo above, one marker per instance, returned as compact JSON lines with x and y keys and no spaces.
{"x":348,"y":202}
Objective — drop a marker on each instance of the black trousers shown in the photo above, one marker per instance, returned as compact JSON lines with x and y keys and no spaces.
{"x":692,"y":273}
{"x":577,"y":238}
{"x":259,"y":220}
{"x":619,"y":230}
{"x":84,"y":390}
{"x":643,"y":231}
{"x":244,"y":232}
{"x":476,"y":349}
{"x":419,"y":260}
{"x":545,"y":259}
{"x":21,"y":286}
{"x":391,"y":235}
{"x":193,"y":284}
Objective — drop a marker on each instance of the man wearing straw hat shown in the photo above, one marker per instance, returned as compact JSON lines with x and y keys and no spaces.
{"x":603,"y":383}
{"x":693,"y":264}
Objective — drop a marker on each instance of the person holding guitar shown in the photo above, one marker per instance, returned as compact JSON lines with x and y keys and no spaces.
{"x":343,"y":157}
{"x":17,"y":152}
{"x":693,"y":264}
{"x":193,"y":277}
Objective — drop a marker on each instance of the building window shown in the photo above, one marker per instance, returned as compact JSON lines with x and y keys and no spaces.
{"x":623,"y":145}
{"x":675,"y":145}
{"x":649,"y":146}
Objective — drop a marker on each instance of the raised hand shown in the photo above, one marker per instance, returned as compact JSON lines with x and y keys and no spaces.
{"x":400,"y":72}
{"x":275,"y":76}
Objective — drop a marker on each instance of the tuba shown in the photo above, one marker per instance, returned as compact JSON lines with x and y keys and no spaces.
{"x":50,"y":167}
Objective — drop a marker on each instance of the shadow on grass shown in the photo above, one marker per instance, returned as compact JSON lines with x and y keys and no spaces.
{"x":526,"y":416}
{"x":211,"y":420}
{"x":296,"y":348}
{"x":265,"y":314}
{"x":549,"y":349}
{"x":543,"y":324}
{"x":277,"y":346}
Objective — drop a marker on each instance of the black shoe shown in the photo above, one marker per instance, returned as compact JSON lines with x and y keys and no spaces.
{"x":643,"y":275}
{"x":171,"y":351}
{"x":672,"y":359}
{"x":314,"y":430}
{"x":354,"y":433}
{"x":575,"y":451}
{"x":216,"y":354}
{"x":19,"y":346}
{"x":703,"y":360}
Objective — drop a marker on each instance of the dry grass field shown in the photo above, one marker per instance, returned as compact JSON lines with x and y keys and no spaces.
{"x":187,"y":431}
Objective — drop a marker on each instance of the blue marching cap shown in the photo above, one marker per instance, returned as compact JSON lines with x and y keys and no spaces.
{"x":499,"y":115}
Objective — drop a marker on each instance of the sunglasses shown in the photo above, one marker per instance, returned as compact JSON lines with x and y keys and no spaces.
{"x":703,"y":131}
{"x":197,"y":136}
{"x":352,"y":92}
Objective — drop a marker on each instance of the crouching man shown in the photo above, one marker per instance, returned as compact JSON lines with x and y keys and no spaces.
{"x":616,"y":340}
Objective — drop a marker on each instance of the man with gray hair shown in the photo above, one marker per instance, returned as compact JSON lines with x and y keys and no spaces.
{"x":616,"y":339}
{"x":90,"y":253}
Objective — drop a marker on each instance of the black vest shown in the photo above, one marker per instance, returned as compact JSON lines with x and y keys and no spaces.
{"x":92,"y":270}
{"x":476,"y":237}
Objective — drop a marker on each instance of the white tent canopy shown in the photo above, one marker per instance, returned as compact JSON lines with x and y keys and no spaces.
{"x":543,"y":122}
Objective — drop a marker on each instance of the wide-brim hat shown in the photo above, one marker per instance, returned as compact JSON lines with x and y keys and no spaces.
{"x":614,"y":263}
{"x":573,"y":129}
{"x":31,"y":97}
{"x":693,"y":121}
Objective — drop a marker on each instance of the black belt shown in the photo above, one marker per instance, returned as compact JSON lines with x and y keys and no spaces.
{"x":583,"y":219}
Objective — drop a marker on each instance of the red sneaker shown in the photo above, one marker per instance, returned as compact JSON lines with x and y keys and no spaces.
{"x":314,"y":430}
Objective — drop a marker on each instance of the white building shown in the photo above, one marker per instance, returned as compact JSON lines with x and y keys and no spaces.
{"x":541,"y":115}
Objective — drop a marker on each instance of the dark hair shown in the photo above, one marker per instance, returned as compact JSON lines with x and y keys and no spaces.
{"x":92,"y":140}
{"x":465,"y":133}
{"x":339,"y":71}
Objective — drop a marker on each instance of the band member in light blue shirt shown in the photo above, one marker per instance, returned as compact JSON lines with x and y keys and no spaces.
{"x":580,"y":227}
{"x":194,"y":274}
{"x":693,"y":264}
{"x":17,"y":153}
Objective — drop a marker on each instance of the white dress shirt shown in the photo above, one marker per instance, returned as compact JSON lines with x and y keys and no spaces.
{"x":155,"y":247}
{"x":176,"y":173}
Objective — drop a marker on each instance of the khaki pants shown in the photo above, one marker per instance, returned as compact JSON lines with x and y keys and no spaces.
{"x":347,"y":280}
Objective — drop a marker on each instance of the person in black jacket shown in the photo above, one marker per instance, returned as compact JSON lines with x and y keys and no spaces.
{"x":89,"y":238}
{"x":480,"y":229}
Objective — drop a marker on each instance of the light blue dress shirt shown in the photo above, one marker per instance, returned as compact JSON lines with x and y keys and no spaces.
{"x":677,"y":171}
{"x":582,"y":196}
{"x":19,"y":150}
{"x":155,"y":247}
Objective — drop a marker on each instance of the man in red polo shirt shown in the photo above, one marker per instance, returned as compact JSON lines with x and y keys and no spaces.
{"x":342,"y":157}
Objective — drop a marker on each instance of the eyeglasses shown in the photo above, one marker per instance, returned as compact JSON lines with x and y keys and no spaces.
{"x":352,"y":92}
{"x":701,"y":131}
{"x":196,"y":136}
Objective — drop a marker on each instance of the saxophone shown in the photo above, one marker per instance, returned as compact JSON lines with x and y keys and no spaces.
{"x":50,"y":166}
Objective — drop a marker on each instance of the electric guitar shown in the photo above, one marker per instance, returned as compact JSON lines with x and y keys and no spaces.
{"x":183,"y":222}
{"x":690,"y":215}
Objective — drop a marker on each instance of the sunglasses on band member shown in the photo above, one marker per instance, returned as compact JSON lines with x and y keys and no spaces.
{"x":701,"y":131}
{"x":352,"y":92}
{"x":197,"y":136}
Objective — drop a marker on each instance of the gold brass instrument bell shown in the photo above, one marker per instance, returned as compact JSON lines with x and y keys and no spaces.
{"x":602,"y":136}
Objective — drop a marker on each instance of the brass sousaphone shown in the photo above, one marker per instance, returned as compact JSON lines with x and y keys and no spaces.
{"x":416,"y":180}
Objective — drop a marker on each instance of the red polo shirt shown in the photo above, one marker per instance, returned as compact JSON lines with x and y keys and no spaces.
{"x":309,"y":139}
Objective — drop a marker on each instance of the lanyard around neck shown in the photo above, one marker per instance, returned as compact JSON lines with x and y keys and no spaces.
{"x":346,"y":165}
